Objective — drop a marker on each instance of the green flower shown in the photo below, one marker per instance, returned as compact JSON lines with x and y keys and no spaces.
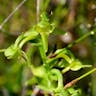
{"x":12,"y":52}
{"x":77,"y":65}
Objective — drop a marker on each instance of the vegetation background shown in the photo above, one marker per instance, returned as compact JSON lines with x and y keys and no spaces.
{"x":77,"y":17}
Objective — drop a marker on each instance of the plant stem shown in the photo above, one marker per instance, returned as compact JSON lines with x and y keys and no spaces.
{"x":26,"y":39}
{"x":27,"y":59}
{"x":86,"y":74}
{"x":28,"y":62}
{"x":59,"y":76}
{"x":43,"y":54}
{"x":64,"y":56}
{"x":79,"y":78}
{"x":18,"y":40}
{"x":81,"y":38}
{"x":66,"y":69}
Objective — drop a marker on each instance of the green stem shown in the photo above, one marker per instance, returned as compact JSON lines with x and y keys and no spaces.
{"x":59,"y":76}
{"x":18,"y":40}
{"x":28,"y":61}
{"x":79,"y":78}
{"x":66,"y":69}
{"x":30,"y":52}
{"x":26,"y":40}
{"x":86,"y":74}
{"x":44,"y":38}
{"x":81,"y":38}
{"x":43,"y":54}
{"x":64,"y":57}
{"x":33,"y":69}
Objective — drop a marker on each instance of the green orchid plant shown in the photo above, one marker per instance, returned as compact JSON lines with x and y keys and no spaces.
{"x":48,"y":77}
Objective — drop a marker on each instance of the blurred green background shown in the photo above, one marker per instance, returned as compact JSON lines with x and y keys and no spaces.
{"x":76,"y":17}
